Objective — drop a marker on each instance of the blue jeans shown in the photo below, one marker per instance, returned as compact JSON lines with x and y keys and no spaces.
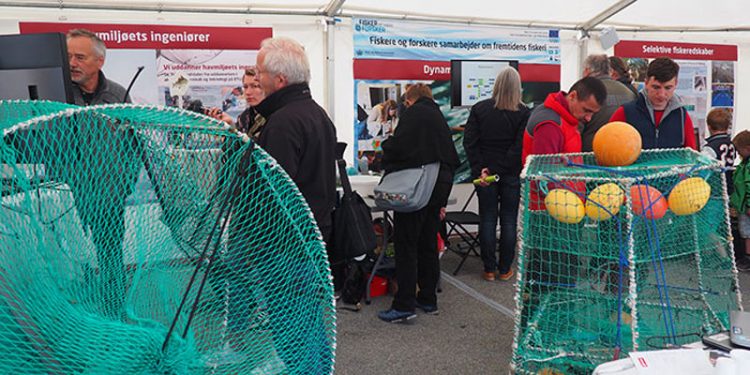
{"x":499,"y":200}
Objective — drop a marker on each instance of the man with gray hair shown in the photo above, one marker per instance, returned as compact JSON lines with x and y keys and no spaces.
{"x":298,"y":132}
{"x":301,"y":137}
{"x":617,"y":94}
{"x":86,"y":53}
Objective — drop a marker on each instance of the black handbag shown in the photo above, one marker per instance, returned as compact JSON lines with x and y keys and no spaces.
{"x":353,"y":235}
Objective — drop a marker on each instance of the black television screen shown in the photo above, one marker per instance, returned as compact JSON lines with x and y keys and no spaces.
{"x":534,"y":93}
{"x":473,"y":80}
{"x":35,"y":66}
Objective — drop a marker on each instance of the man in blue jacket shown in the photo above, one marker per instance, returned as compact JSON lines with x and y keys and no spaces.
{"x":657,"y":114}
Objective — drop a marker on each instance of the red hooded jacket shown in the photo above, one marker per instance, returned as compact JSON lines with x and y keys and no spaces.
{"x":551,"y":129}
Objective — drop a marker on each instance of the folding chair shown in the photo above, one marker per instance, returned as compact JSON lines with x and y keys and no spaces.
{"x":456,"y":222}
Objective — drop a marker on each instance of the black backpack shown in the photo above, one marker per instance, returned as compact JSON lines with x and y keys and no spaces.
{"x":353,"y":235}
{"x":355,"y":282}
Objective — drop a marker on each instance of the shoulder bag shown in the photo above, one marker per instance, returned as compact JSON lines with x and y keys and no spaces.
{"x":407,"y":190}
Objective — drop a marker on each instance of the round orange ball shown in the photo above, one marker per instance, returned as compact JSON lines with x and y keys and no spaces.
{"x":617,"y":144}
{"x":648,"y":201}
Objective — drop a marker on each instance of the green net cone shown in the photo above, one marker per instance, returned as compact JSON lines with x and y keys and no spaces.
{"x":106,"y":213}
{"x":642,"y":264}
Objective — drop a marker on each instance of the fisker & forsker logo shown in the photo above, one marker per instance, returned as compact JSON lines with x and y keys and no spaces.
{"x":369,"y":26}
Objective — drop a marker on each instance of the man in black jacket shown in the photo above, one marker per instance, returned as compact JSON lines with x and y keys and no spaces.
{"x":86,"y":54}
{"x":298,"y":132}
{"x":301,"y":137}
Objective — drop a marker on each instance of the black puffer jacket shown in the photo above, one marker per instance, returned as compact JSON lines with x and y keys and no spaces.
{"x":301,"y":137}
{"x":493,"y":138}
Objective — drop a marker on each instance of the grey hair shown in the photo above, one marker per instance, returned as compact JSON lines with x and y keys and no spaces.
{"x":99,"y":48}
{"x":286,"y":57}
{"x":507,"y":89}
{"x":598,"y":65}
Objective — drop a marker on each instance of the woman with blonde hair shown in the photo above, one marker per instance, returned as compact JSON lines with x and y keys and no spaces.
{"x":493,"y":140}
{"x":249,"y":121}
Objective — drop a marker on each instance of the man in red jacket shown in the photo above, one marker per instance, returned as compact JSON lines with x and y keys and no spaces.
{"x":553,"y":126}
{"x":553,"y":129}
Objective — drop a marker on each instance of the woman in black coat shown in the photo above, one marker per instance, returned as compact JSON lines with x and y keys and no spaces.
{"x":422,"y":137}
{"x":493,"y":140}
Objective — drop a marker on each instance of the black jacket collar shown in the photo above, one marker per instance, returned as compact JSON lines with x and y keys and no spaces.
{"x":425,"y":101}
{"x":286,"y":95}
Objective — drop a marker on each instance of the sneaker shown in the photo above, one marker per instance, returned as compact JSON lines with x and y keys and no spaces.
{"x":743,"y":264}
{"x":506,"y":276}
{"x":428,"y":309}
{"x":395,"y":316}
{"x":488,"y":276}
{"x":355,"y":307}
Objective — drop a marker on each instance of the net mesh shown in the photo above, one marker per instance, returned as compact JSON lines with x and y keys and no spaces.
{"x":614,"y":260}
{"x":150,"y":240}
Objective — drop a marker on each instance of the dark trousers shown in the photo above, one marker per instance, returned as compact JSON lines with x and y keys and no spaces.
{"x":415,"y":241}
{"x":499,"y":200}
{"x":738,"y":242}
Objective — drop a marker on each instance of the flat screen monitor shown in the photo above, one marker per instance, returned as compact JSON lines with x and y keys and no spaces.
{"x":473,"y":80}
{"x":534,"y":93}
{"x":35,"y":66}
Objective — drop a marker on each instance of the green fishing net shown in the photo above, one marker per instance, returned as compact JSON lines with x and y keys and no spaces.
{"x":619,"y":259}
{"x":139,"y":239}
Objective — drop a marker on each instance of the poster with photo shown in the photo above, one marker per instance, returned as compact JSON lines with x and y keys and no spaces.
{"x":182,"y":65}
{"x":213,"y":77}
{"x":722,"y":84}
{"x":705,"y":80}
{"x":692,"y":89}
{"x":391,"y":54}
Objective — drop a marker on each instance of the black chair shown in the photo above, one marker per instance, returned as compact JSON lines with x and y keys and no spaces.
{"x":456,"y":222}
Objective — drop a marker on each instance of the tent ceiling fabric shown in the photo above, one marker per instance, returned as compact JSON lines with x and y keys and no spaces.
{"x":685,"y":15}
{"x":503,"y":12}
{"x":652,"y":15}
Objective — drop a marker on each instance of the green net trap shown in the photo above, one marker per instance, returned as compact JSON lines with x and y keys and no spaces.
{"x":613,"y":260}
{"x":147,"y":240}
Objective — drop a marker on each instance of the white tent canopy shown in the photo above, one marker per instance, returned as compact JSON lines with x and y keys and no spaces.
{"x":330,"y":47}
{"x":624,"y":14}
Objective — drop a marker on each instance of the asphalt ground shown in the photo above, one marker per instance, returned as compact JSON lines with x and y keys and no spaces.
{"x":473,"y":334}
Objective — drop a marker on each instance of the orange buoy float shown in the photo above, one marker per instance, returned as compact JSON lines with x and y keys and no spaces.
{"x":648,"y":201}
{"x":617,"y":144}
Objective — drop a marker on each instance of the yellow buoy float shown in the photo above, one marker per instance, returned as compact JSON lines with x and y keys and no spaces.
{"x":564,"y":206}
{"x":604,"y":201}
{"x":689,"y":196}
